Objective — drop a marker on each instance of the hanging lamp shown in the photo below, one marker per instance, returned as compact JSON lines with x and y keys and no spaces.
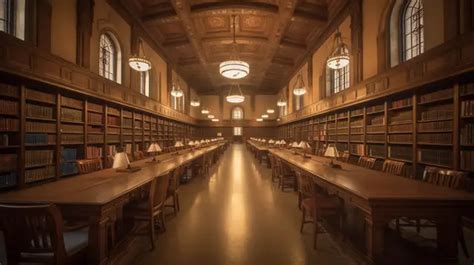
{"x":339,"y":57}
{"x":205,"y":111}
{"x":235,"y":95}
{"x":176,"y":90}
{"x":195,"y":102}
{"x":299,"y":89}
{"x":234,"y":69}
{"x":139,"y":62}
{"x":281,"y":103}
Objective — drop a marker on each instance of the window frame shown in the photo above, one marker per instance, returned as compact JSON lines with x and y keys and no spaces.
{"x":419,"y":46}
{"x":234,"y":109}
{"x":117,"y":58}
{"x":237,"y":131}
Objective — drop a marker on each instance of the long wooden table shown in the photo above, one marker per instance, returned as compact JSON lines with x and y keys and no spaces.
{"x":259,"y":151}
{"x":100,"y":196}
{"x":383,"y":197}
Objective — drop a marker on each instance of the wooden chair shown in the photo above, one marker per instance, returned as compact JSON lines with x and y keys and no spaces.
{"x":286,"y":176}
{"x":304,"y":190}
{"x":367,"y":162}
{"x":89,"y":165}
{"x":34,"y":234}
{"x":138,"y":155}
{"x":109,"y":161}
{"x":393,"y":167}
{"x":274,"y":166}
{"x":445,"y":178}
{"x":173,"y":188}
{"x":317,"y":206}
{"x":151,"y":208}
{"x":344,"y":156}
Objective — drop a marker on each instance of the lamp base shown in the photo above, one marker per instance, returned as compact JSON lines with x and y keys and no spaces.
{"x":154,"y":161}
{"x":332,"y":165}
{"x":128,"y":169}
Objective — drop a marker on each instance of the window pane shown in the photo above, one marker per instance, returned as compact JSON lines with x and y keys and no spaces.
{"x":107,"y":57}
{"x":413,"y":29}
{"x":339,"y":79}
{"x":237,"y":131}
{"x":4,"y":19}
{"x":237,"y":113}
{"x":145,"y":83}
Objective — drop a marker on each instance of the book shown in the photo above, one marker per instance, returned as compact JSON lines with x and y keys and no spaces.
{"x":35,"y":158}
{"x":37,"y":111}
{"x":72,"y":115}
{"x":38,"y":174}
{"x":9,"y":107}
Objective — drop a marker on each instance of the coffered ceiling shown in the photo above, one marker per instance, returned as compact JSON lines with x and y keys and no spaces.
{"x":271,"y":35}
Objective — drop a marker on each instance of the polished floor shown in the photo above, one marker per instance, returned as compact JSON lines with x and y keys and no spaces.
{"x":238,"y":216}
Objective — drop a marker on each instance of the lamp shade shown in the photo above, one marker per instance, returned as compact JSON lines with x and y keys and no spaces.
{"x":154,"y":147}
{"x":178,"y":144}
{"x":210,"y":116}
{"x":208,"y":141}
{"x":281,"y":103}
{"x":282,"y":142}
{"x":191,"y":143}
{"x":340,"y":56}
{"x":205,"y":111}
{"x":202,"y":141}
{"x":121,"y":160}
{"x":304,"y":145}
{"x":295,"y":145}
{"x":264,"y":141}
{"x":270,"y":111}
{"x":265,"y":116}
{"x":140,"y":64}
{"x":234,"y":69}
{"x":195,"y":103}
{"x":271,"y":141}
{"x":331,"y":151}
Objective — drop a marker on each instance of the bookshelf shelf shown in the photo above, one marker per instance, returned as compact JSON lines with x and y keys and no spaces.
{"x":41,"y":119}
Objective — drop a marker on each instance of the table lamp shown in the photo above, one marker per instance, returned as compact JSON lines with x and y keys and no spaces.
{"x":282,"y":143}
{"x":192,"y":144}
{"x":122,"y":164}
{"x":153,"y":149}
{"x":294,"y":145}
{"x":207,"y":141}
{"x":331,"y":152}
{"x":178,"y":145}
{"x":304,"y":147}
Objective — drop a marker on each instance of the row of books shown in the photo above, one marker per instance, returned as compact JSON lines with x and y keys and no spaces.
{"x":36,"y":95}
{"x":137,"y":124}
{"x":8,"y":107}
{"x":377,"y":108}
{"x":467,"y":134}
{"x":38,"y":157}
{"x":71,"y":102}
{"x":95,"y":118}
{"x":435,"y":126}
{"x":435,"y":138}
{"x":357,"y":138}
{"x":95,"y":138}
{"x":47,"y":127}
{"x":37,"y":111}
{"x":8,"y":179}
{"x":93,"y":152}
{"x":38,"y":174}
{"x":68,"y":168}
{"x":113,"y":130}
{"x":467,"y":108}
{"x":74,"y":115}
{"x":112,"y":120}
{"x":127,"y":123}
{"x":377,"y":120}
{"x":400,"y":152}
{"x":437,"y":114}
{"x":9,"y":125}
{"x":343,"y":138}
{"x":8,"y":162}
{"x":440,"y":157}
{"x":357,"y":130}
{"x":72,"y":128}
{"x":9,"y":90}
{"x":404,"y":102}
{"x":357,"y":112}
{"x":400,"y":128}
{"x":467,"y":160}
{"x":376,"y":129}
{"x":376,"y":150}
{"x":357,"y":149}
{"x":113,"y":138}
{"x":401,"y":117}
{"x":94,"y":129}
{"x":111,"y":150}
{"x":400,"y":138}
{"x":375,"y":137}
{"x":436,"y":95}
{"x":68,"y":154}
{"x":72,"y":138}
{"x":342,"y":147}
{"x":357,"y":122}
{"x":40,"y":138}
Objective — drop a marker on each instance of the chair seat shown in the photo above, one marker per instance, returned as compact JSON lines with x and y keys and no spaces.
{"x":321,"y":202}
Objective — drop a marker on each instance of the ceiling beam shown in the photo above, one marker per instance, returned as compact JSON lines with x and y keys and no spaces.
{"x":212,"y":7}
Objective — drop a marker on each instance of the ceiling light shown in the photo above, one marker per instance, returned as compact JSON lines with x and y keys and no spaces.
{"x":339,"y":57}
{"x":278,"y":119}
{"x":205,"y":111}
{"x":195,"y":103}
{"x":215,"y":120}
{"x":176,"y":90}
{"x":235,"y":96}
{"x":139,"y":62}
{"x":265,"y":116}
{"x":270,"y":111}
{"x":259,"y":119}
{"x":281,"y":103}
{"x":210,"y":116}
{"x":234,"y":68}
{"x":300,"y":88}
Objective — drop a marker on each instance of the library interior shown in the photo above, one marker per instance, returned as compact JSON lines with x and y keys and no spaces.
{"x":242,"y":132}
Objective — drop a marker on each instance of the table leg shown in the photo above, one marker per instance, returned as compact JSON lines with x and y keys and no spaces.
{"x":97,"y":249}
{"x":375,"y":240}
{"x":447,"y":239}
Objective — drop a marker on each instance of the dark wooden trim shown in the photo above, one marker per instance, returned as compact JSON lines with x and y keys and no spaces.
{"x":357,"y":42}
{"x":451,"y":19}
{"x":85,"y":18}
{"x":43,"y":24}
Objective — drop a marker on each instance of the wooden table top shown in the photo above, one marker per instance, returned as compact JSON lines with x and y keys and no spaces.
{"x":101,"y":187}
{"x":258,"y":146}
{"x":373,"y":185}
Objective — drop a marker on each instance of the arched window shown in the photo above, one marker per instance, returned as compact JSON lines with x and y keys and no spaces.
{"x":337,"y":80}
{"x":12,"y":17}
{"x":412,"y":29}
{"x":145,"y":83}
{"x":109,"y":57}
{"x":237,"y":113}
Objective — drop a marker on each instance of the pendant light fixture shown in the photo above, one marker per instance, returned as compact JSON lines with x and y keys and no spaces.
{"x":205,"y":111}
{"x":139,"y":62}
{"x":265,"y":116}
{"x":234,"y":69}
{"x":299,"y":89}
{"x":270,"y":111}
{"x":215,"y":120}
{"x":210,"y":116}
{"x":235,"y":95}
{"x":195,"y":102}
{"x":339,"y":57}
{"x":176,"y":90}
{"x":281,"y":103}
{"x":259,"y":119}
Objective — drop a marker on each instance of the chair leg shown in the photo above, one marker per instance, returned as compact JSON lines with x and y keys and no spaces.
{"x":162,"y":219}
{"x":152,"y":232}
{"x":462,"y":240}
{"x":177,"y":201}
{"x":315,"y":239}
{"x":303,"y":220}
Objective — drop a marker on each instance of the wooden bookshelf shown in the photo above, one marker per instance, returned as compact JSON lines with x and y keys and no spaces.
{"x":44,"y":130}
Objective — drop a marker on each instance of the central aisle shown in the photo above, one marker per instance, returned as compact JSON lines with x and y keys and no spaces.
{"x":238,"y":216}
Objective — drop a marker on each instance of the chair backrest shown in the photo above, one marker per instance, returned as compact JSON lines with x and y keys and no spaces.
{"x":447,"y":178}
{"x":367,"y":162}
{"x":393,"y":167}
{"x":158,"y":190}
{"x":33,"y":229}
{"x":109,"y":161}
{"x":344,"y":156}
{"x":138,"y":155}
{"x":305,"y":184}
{"x":89,"y":165}
{"x":175,"y":178}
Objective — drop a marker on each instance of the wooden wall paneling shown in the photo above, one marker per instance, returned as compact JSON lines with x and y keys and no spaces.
{"x":356,"y":42}
{"x":414,"y":136}
{"x":451,"y":19}
{"x":58,"y":135}
{"x":85,"y":18}
{"x":456,"y":126}
{"x":43,"y":24}
{"x":21,"y":154}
